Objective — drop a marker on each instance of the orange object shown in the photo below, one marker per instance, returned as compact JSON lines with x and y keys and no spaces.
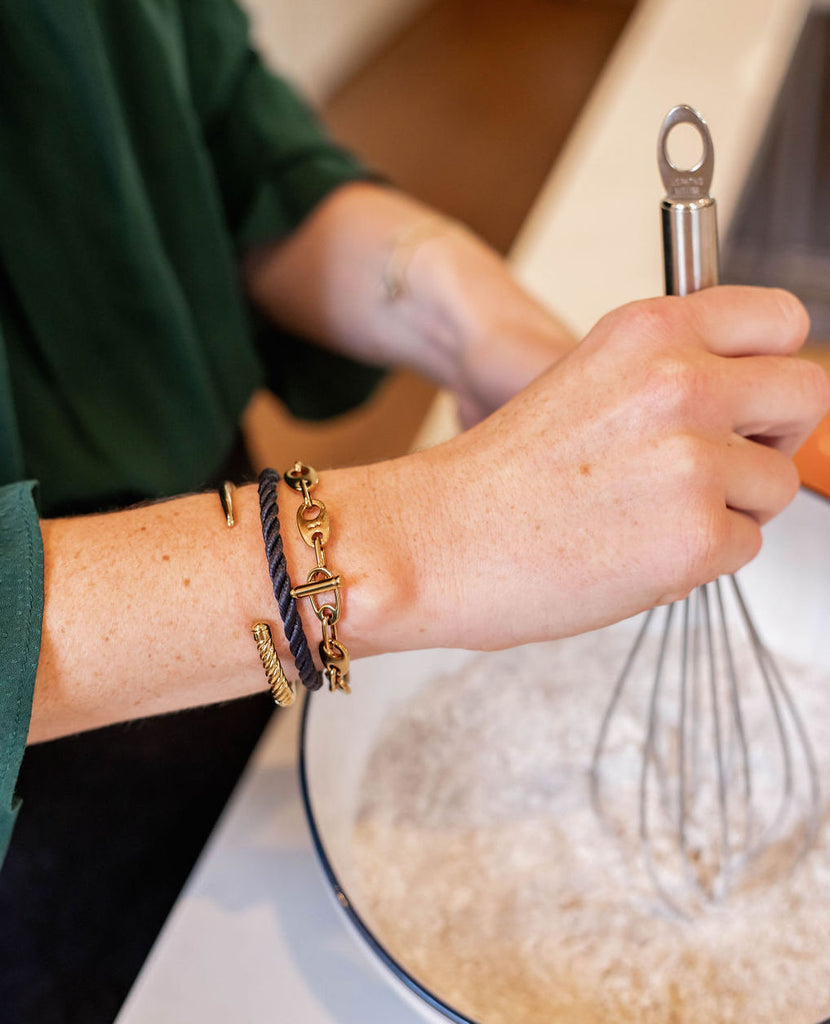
{"x":813,"y":459}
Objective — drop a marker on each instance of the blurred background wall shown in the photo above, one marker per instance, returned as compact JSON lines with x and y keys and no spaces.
{"x":318,"y":43}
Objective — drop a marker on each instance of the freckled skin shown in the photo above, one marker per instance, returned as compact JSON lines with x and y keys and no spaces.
{"x":501,"y":536}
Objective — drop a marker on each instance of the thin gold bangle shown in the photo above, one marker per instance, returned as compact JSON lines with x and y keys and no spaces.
{"x":404,"y":244}
{"x":226,"y":497}
{"x":282,"y":689}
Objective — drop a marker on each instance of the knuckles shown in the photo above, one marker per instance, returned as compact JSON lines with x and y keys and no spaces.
{"x":643,"y":321}
{"x":816,"y":387}
{"x":794,"y":316}
{"x":697,"y":537}
{"x":791,"y":481}
{"x":703,"y":548}
{"x":673,"y":377}
{"x":676,"y":385}
{"x":689,"y":465}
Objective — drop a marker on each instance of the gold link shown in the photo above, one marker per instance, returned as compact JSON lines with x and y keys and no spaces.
{"x":330,"y":645}
{"x":329,"y":632}
{"x":337,"y":681}
{"x":300,"y":475}
{"x":335,"y":659}
{"x":321,"y":581}
{"x":328,"y":613}
{"x":315,"y":526}
{"x":320,"y":585}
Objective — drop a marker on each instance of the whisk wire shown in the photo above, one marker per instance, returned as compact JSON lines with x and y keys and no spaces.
{"x":610,"y":709}
{"x":720,"y":876}
{"x":779,"y":694}
{"x":691,"y":665}
{"x":695,"y":778}
{"x":651,"y":762}
{"x":682,"y":779}
{"x":738,"y":734}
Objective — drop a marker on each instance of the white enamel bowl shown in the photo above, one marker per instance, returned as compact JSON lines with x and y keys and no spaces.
{"x":789,"y":589}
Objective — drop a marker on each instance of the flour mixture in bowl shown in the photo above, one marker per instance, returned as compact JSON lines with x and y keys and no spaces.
{"x":490,"y":879}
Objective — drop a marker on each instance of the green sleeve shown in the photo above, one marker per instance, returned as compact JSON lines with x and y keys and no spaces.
{"x":272,"y":159}
{"x":21,"y":611}
{"x":273,"y":163}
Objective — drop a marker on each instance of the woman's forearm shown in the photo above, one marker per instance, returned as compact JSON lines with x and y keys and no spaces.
{"x":454,"y":311}
{"x":145,"y":612}
{"x":150,"y":610}
{"x":636,"y":468}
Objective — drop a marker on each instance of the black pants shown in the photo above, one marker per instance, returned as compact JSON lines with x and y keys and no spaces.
{"x":111,"y":824}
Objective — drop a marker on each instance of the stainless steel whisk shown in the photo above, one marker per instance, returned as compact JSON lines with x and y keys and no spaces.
{"x":725,"y":775}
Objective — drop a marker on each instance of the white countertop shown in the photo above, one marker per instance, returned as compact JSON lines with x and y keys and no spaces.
{"x":255,"y":937}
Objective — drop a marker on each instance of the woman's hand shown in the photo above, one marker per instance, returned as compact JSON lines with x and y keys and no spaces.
{"x":640,"y":466}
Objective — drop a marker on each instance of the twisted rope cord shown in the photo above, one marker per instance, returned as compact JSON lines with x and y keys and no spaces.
{"x":293,"y":627}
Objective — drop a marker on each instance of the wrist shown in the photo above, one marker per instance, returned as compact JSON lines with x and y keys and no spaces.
{"x":406,"y":552}
{"x":370,"y":559}
{"x":484,"y":334}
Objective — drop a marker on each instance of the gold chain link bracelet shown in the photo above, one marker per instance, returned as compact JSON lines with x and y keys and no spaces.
{"x":313,"y":523}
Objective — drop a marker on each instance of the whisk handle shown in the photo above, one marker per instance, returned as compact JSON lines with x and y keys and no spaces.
{"x":688,"y":213}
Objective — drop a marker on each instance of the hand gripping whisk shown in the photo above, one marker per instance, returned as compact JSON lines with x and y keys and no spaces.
{"x":725,"y":778}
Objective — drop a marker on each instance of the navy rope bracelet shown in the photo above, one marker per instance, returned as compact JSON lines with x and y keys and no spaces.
{"x":291,"y":623}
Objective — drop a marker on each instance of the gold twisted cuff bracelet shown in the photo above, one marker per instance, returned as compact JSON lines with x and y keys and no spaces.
{"x":282,"y":689}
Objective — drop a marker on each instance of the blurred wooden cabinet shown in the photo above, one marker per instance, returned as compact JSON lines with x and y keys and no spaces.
{"x":319,"y":43}
{"x":464,"y":104}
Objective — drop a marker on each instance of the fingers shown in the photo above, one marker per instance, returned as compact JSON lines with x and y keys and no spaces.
{"x":745,"y":379}
{"x":776,"y":400}
{"x":759,"y":481}
{"x":742,"y":545}
{"x":710,"y":542}
{"x":718,"y":496}
{"x":744,"y":321}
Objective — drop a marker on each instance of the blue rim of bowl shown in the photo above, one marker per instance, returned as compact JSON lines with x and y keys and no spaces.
{"x":397,"y":969}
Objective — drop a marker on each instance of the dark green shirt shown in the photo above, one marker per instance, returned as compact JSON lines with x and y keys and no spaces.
{"x":142,"y":147}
